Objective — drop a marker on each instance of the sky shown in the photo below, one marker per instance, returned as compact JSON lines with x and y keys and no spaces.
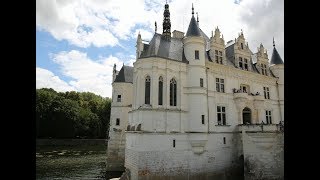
{"x":79,"y":41}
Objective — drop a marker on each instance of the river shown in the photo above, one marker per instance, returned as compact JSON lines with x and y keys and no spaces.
{"x":72,"y":162}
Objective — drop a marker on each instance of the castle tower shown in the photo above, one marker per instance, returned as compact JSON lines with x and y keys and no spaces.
{"x":194,"y":49}
{"x":120,"y":106}
{"x":277,"y":68}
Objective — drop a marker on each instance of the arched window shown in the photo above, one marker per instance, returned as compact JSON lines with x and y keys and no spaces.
{"x":173,"y":92}
{"x":160,"y":90}
{"x":147,"y":90}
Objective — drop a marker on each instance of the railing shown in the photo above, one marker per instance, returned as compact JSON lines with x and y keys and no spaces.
{"x":262,"y":127}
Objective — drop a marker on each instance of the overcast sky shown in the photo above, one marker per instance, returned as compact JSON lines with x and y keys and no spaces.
{"x":78,"y":41}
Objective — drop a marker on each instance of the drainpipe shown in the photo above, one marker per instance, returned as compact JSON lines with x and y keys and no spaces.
{"x":207,"y":97}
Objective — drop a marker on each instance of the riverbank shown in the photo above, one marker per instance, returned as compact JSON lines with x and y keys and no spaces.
{"x":70,"y":142}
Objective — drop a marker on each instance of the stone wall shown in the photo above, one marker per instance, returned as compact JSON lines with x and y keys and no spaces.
{"x":152,"y":156}
{"x":263,"y":155}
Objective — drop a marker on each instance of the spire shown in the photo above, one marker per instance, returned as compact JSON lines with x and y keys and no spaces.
{"x":166,"y":23}
{"x":192,"y":10}
{"x":197,"y":19}
{"x":273,"y":43}
{"x":275,"y":59}
{"x":193,"y":29}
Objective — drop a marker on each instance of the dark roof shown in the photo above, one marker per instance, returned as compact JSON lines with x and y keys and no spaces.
{"x":204,"y":35}
{"x":275,"y":59}
{"x":125,"y":74}
{"x":161,"y":47}
{"x":193,"y":29}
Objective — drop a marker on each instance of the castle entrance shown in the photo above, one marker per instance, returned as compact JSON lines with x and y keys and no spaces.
{"x":246,"y":115}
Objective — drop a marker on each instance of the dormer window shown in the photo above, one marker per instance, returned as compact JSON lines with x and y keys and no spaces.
{"x":196,"y":54}
{"x":240,"y":63}
{"x":246,"y":64}
{"x":264,"y":69}
{"x":218,"y":56}
{"x":243,"y":64}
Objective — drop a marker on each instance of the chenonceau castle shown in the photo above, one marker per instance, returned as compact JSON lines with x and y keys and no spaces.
{"x":195,"y":107}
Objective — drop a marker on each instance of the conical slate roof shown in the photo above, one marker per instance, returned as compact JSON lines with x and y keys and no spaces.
{"x":193,"y":29}
{"x":275,"y":59}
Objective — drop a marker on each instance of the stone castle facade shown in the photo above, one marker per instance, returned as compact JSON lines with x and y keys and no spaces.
{"x":195,"y":107}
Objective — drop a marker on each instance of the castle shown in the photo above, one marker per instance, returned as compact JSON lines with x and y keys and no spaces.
{"x":195,"y":107}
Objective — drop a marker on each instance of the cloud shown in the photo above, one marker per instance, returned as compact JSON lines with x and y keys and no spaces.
{"x":76,"y":22}
{"x":46,"y":79}
{"x":103,"y":23}
{"x":263,"y":20}
{"x":87,"y":74}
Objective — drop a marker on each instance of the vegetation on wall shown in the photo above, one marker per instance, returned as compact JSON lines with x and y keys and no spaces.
{"x":71,"y":114}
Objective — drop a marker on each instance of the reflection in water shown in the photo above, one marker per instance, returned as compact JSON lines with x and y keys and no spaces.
{"x":61,"y":162}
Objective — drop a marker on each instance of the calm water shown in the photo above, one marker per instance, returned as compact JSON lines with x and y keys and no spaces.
{"x":62,"y":162}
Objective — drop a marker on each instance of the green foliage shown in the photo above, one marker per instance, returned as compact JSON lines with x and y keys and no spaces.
{"x":71,"y":114}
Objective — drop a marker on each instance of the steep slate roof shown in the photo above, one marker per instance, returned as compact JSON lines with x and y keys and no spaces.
{"x":275,"y":59}
{"x":125,"y":74}
{"x":160,"y":47}
{"x":193,"y":29}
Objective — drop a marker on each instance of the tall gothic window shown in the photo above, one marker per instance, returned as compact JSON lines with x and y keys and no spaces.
{"x":147,"y":90}
{"x":173,"y":92}
{"x":160,"y":90}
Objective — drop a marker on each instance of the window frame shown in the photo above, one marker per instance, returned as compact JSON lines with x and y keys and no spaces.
{"x":117,"y":121}
{"x":246,"y":64}
{"x":147,"y":93}
{"x":222,"y":111}
{"x":203,"y":119}
{"x":268,"y":116}
{"x":119,"y":98}
{"x":240,"y":63}
{"x":196,"y":55}
{"x":218,"y":56}
{"x":266,"y":92}
{"x":160,"y":91}
{"x":173,"y":92}
{"x":201,"y":82}
{"x":220,"y":86}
